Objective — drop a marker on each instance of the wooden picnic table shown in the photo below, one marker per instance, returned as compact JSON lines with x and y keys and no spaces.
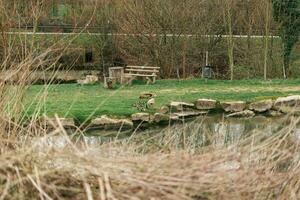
{"x":148,"y":72}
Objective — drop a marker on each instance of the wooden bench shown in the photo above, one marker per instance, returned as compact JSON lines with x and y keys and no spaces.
{"x":142,"y":71}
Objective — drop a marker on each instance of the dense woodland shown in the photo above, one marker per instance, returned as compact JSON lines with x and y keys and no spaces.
{"x":172,"y":34}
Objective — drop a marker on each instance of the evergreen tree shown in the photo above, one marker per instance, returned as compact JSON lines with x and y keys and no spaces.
{"x":287,"y":13}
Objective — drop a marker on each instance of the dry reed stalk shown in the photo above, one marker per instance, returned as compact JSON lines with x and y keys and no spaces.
{"x":261,"y":166}
{"x":267,"y":168}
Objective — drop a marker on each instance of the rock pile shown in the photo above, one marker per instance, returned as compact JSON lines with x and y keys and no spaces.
{"x":206,"y":104}
{"x":147,"y":95}
{"x":181,"y":106}
{"x":289,"y":104}
{"x":140,"y":117}
{"x":105,"y":122}
{"x":89,"y":80}
{"x":233,"y":106}
{"x":177,"y":111}
{"x":261,"y":106}
{"x":242,"y":114}
{"x":49,"y":124}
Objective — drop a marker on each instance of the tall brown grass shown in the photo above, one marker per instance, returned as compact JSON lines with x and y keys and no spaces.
{"x":173,"y":164}
{"x":169,"y":165}
{"x":261,"y":166}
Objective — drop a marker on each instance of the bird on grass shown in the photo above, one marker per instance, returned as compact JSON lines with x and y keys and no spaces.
{"x":144,"y":104}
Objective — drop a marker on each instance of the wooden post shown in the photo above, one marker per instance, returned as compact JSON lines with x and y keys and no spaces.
{"x":117,"y":73}
{"x":154,"y":79}
{"x":206,"y":61}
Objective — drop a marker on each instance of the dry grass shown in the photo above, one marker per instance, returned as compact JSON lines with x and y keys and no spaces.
{"x":170,"y":165}
{"x":158,"y":167}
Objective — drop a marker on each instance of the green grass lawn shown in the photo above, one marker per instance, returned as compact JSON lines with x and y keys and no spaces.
{"x":82,"y":102}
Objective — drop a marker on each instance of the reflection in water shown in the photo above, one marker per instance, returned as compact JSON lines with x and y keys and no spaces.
{"x":220,"y":131}
{"x":203,"y":131}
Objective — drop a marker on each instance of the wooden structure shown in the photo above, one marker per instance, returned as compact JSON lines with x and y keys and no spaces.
{"x":125,"y":76}
{"x":150,"y":73}
{"x":116,"y":73}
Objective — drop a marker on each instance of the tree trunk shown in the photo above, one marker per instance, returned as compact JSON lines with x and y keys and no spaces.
{"x":184,"y":49}
{"x":266,"y":52}
{"x":227,"y":15}
{"x":286,"y":67}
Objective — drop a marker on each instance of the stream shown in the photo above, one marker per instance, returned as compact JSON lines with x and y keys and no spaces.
{"x":206,"y":130}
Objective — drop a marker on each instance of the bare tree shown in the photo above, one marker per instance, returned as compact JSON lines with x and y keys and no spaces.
{"x":227,"y":15}
{"x":267,"y":37}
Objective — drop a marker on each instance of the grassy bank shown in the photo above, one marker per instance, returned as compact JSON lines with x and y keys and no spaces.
{"x":83,"y":101}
